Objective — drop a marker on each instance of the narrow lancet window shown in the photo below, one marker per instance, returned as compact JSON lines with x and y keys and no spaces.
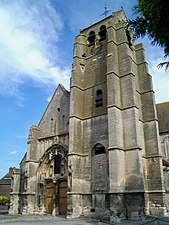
{"x":102,"y":33}
{"x":57,"y":164}
{"x":91,"y":38}
{"x":99,"y":98}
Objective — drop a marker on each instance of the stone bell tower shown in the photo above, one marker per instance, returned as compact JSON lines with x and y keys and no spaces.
{"x":115,"y":167}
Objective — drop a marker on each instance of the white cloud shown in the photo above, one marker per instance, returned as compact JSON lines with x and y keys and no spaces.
{"x":49,"y":98}
{"x":28,"y":42}
{"x":161,"y":82}
{"x":13,"y":153}
{"x":160,"y":76}
{"x":1,"y":170}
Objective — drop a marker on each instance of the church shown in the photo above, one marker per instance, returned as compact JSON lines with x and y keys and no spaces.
{"x":99,"y":150}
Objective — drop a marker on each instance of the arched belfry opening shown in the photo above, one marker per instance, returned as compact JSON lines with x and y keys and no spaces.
{"x":102,"y":33}
{"x":91,"y":38}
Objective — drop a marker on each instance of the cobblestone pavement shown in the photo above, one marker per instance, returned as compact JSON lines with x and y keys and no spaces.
{"x":49,"y":220}
{"x":41,"y":220}
{"x":46,"y":222}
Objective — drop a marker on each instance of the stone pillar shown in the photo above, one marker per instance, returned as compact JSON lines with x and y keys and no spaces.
{"x":14,"y":195}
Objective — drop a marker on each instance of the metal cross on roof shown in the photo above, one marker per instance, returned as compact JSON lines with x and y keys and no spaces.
{"x":105,"y":11}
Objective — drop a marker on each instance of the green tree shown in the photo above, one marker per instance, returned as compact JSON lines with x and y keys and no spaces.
{"x":153,"y":20}
{"x":3,"y":200}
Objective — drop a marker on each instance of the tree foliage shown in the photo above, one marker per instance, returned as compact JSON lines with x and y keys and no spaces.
{"x":3,"y":200}
{"x":153,"y":20}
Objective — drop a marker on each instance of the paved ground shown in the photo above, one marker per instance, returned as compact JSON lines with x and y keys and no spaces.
{"x":41,"y":220}
{"x":50,"y":220}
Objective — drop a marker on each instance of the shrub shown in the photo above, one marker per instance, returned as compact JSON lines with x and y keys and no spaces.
{"x":3,"y":200}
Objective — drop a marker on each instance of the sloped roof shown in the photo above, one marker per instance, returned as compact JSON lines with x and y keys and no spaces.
{"x":5,"y":181}
{"x":163,"y":116}
{"x":9,"y":174}
{"x":59,"y":87}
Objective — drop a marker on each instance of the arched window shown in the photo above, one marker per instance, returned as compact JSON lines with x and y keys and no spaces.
{"x":102,"y":33}
{"x":91,"y":38}
{"x":57,"y":164}
{"x":99,"y":149}
{"x":99,"y":98}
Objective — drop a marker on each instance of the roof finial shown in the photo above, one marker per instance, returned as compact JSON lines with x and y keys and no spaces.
{"x":105,"y":11}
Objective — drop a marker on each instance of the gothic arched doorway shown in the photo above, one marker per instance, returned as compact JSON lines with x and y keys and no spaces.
{"x":62,"y":201}
{"x":49,"y":197}
{"x":52,"y":176}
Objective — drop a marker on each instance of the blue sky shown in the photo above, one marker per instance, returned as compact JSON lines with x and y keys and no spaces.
{"x":36,"y":48}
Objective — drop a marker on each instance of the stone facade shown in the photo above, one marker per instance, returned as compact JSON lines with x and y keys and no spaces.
{"x":96,"y":151}
{"x":163,"y":118}
{"x":35,"y":187}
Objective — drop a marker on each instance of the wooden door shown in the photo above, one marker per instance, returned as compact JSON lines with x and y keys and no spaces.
{"x":63,"y":197}
{"x":49,"y":197}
